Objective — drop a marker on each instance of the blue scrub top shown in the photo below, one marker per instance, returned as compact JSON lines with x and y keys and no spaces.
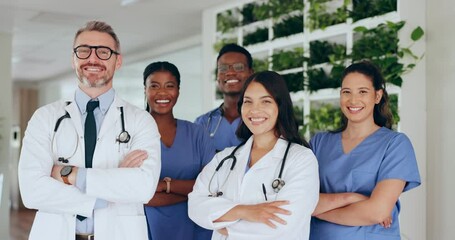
{"x":385,"y":154}
{"x":223,"y":136}
{"x":191,"y":150}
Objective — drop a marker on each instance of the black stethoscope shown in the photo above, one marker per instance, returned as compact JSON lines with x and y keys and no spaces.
{"x":212,"y":113}
{"x":123,"y":137}
{"x":277,"y":184}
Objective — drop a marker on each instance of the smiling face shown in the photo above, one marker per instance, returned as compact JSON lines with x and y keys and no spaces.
{"x":358,"y":98}
{"x":230,"y":81}
{"x":259,"y":110}
{"x":162,"y":92}
{"x":94,"y":72}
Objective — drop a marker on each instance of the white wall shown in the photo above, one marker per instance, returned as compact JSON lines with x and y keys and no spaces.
{"x":5,"y":129}
{"x":413,"y":121}
{"x":440,"y":77}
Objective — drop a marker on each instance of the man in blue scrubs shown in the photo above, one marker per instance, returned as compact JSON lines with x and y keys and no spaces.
{"x":234,"y":66}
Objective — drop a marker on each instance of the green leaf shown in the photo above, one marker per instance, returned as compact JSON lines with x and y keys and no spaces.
{"x":417,"y":34}
{"x":360,"y":29}
{"x":408,"y":51}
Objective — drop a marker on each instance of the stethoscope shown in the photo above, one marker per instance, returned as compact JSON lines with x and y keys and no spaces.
{"x":123,"y":137}
{"x":277,"y":184}
{"x":212,"y":113}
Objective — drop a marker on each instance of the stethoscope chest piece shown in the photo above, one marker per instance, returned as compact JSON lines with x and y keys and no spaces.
{"x":277,"y":184}
{"x":123,"y":137}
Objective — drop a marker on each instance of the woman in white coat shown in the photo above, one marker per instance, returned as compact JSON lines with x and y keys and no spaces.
{"x":267,"y":187}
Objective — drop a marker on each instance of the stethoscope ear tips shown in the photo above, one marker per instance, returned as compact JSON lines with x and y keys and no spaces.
{"x":63,"y":160}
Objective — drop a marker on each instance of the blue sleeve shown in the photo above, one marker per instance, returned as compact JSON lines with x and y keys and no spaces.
{"x":314,"y":141}
{"x":400,"y":162}
{"x":200,"y":120}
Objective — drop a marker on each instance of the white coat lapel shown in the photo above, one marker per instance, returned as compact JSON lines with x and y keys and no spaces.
{"x":111,"y":118}
{"x":75,"y":114}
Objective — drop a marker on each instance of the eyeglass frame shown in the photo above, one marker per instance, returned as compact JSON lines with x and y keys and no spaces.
{"x":233,"y":67}
{"x":96,"y":52}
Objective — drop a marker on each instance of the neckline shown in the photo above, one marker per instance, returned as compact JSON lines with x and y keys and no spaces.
{"x":175,"y":138}
{"x":358,"y":145}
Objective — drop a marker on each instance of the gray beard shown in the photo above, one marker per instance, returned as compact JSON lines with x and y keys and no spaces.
{"x":96,"y":84}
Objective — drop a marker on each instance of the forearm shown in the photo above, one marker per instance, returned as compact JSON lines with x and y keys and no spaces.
{"x":165,"y":199}
{"x":182,"y":187}
{"x":331,"y":201}
{"x":357,"y":214}
{"x":372,"y":211}
{"x":233,"y":214}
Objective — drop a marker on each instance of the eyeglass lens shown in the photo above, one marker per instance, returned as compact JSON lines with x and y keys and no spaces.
{"x":84,"y":52}
{"x":238,"y":67}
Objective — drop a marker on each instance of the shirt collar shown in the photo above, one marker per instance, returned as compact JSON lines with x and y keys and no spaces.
{"x":104,"y":99}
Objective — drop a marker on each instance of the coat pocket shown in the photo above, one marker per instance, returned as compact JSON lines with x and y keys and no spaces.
{"x":51,"y":226}
{"x":130,"y":227}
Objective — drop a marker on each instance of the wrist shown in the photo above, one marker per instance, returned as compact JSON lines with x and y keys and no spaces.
{"x":65,"y":174}
{"x":167,"y":180}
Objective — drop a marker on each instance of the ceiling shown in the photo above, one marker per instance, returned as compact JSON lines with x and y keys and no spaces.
{"x":43,"y":30}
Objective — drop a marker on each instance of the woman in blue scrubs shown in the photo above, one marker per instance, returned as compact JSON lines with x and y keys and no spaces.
{"x":185,"y":149}
{"x":364,"y":166}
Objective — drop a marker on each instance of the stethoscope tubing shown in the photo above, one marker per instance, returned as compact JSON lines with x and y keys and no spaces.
{"x":277,"y":184}
{"x":123,"y":137}
{"x":211,"y":115}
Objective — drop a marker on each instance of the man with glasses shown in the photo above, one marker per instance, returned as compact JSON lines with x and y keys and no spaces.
{"x":234,"y":66}
{"x":89,"y":163}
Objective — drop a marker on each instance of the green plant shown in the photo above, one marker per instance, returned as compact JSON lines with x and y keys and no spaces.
{"x":393,"y":104}
{"x":380,"y":45}
{"x":363,"y":9}
{"x":298,"y":113}
{"x":226,"y":20}
{"x":260,"y":64}
{"x":324,"y":51}
{"x":281,"y":7}
{"x":260,"y":35}
{"x":283,"y":60}
{"x":247,"y":13}
{"x":320,"y":18}
{"x":220,"y":43}
{"x":294,"y":81}
{"x":262,"y":11}
{"x":324,"y":118}
{"x":288,"y":26}
{"x":319,"y":79}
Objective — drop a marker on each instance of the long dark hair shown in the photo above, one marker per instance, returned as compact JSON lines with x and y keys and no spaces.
{"x":286,"y":124}
{"x":382,"y":114}
{"x":160,"y":67}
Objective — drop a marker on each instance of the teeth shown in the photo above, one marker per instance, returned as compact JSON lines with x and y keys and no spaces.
{"x":257,"y":119}
{"x":355,"y":108}
{"x":162,"y":101}
{"x":92,"y":69}
{"x":232,"y":81}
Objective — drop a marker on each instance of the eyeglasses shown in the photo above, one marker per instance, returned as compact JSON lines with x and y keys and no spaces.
{"x":102,"y":52}
{"x":224,"y":68}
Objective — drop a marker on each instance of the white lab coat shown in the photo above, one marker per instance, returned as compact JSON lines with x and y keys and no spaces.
{"x":125,"y":189}
{"x":301,"y":189}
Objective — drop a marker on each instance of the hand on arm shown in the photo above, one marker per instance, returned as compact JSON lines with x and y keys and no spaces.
{"x":262,"y":213}
{"x":179,"y":190}
{"x":376,"y":210}
{"x":330,"y":201}
{"x":134,"y":159}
